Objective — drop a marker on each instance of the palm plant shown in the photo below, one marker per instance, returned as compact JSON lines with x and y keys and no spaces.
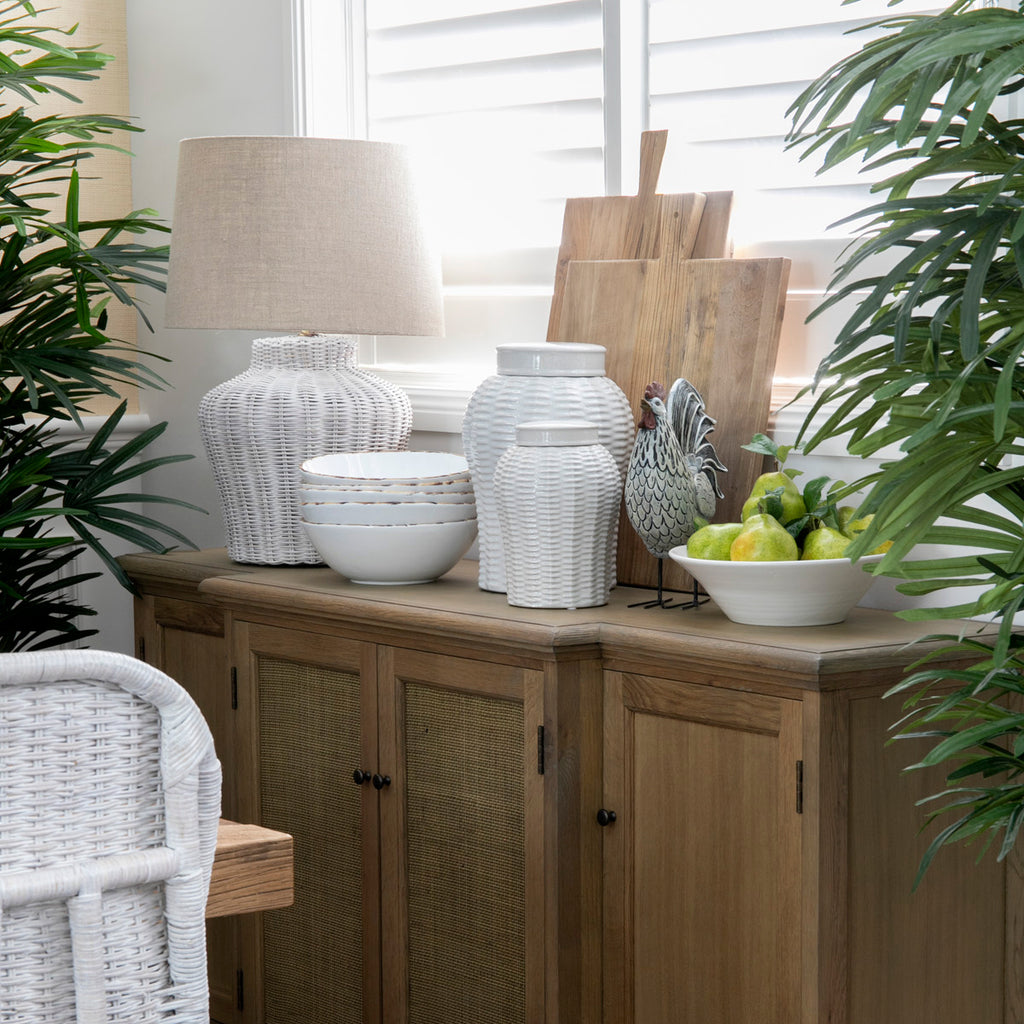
{"x":57,"y":278}
{"x":929,"y":366}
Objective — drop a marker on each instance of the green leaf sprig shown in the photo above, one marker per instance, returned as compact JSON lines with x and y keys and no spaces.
{"x":59,"y":275}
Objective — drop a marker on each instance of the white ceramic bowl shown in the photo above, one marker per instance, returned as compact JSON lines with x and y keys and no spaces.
{"x":392,"y":555}
{"x":377,"y":514}
{"x":386,"y":468}
{"x":814,"y":592}
{"x":310,"y":492}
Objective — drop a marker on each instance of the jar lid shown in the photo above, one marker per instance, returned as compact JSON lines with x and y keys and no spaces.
{"x":555,"y":433}
{"x":551,"y":359}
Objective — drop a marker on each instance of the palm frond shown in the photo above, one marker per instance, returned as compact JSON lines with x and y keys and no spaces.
{"x":59,"y":273}
{"x":925,"y":379}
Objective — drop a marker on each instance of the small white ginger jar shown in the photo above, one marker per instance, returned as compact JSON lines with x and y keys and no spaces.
{"x":557,"y":492}
{"x":536,"y":381}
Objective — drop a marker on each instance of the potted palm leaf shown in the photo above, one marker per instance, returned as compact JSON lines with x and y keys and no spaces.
{"x":61,"y":494}
{"x":926,"y":374}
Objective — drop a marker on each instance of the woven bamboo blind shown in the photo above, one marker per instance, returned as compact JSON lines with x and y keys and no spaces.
{"x":309,"y":741}
{"x":106,"y":189}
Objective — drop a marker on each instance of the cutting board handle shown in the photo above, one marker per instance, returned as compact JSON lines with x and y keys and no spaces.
{"x":652,"y":151}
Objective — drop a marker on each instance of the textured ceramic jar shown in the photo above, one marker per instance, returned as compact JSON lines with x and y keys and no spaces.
{"x":541,"y":381}
{"x":557,"y":492}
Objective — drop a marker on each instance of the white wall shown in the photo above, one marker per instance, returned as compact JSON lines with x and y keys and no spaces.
{"x":198,"y":68}
{"x":195,"y":68}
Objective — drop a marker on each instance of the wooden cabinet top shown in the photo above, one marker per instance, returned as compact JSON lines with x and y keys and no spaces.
{"x":454,"y":615}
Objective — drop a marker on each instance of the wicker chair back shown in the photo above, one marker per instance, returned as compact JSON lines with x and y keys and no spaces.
{"x":109,"y":801}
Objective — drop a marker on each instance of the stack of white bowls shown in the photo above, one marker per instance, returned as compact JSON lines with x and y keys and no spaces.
{"x":389,"y":517}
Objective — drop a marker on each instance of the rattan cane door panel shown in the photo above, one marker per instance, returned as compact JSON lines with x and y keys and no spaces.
{"x":318,"y":957}
{"x":702,"y":913}
{"x":461,"y":842}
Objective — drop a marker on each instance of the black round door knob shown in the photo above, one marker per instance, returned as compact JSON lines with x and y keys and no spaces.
{"x":380,"y":781}
{"x":361,"y":776}
{"x":605,"y":817}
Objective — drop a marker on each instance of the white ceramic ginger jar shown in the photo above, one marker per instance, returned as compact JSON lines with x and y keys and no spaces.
{"x":557,"y":493}
{"x":536,"y":381}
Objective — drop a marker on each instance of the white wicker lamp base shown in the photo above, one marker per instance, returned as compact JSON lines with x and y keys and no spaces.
{"x":300,"y":397}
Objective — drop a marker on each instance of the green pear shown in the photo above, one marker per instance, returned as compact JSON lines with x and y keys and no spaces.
{"x":713,"y":541}
{"x":824,"y":542}
{"x":845,"y":514}
{"x":792,"y":500}
{"x":763,"y":539}
{"x":856,"y":526}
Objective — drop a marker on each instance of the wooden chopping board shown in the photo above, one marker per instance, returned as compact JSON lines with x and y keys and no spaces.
{"x":629,"y":227}
{"x":665,"y":315}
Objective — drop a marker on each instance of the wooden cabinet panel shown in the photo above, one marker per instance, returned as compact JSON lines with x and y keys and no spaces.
{"x":907,"y":949}
{"x":301,"y":699}
{"x":461,"y":841}
{"x":419,"y":893}
{"x":186,"y":639}
{"x":702,"y":862}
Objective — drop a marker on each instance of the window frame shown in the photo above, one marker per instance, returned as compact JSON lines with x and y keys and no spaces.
{"x":323,"y":29}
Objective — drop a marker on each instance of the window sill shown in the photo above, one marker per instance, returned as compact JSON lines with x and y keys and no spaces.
{"x":439,"y":402}
{"x":131,"y":425}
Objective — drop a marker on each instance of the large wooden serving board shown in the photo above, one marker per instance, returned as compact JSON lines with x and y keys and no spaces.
{"x":666,"y":314}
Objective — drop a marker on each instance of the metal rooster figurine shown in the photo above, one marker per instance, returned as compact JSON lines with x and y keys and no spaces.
{"x":671,"y":479}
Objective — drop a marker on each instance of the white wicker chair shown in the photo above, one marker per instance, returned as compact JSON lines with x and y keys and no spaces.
{"x":109,"y":800}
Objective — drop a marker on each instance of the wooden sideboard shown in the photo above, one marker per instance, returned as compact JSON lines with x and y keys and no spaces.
{"x":609,"y":816}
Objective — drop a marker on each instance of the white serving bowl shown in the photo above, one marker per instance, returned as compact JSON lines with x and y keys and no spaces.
{"x":392,"y":555}
{"x":310,"y":492}
{"x":814,"y":592}
{"x":376,"y":514}
{"x":386,"y":469}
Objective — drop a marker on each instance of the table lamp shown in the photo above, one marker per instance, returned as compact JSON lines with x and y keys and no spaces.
{"x":322,"y":238}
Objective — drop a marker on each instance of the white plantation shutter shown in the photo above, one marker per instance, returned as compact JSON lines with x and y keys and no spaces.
{"x":514,"y":105}
{"x":503,"y":103}
{"x":721,"y":78}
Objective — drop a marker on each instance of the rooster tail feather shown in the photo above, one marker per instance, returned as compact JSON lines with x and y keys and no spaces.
{"x":690,"y":422}
{"x":710,"y":466}
{"x":691,"y":425}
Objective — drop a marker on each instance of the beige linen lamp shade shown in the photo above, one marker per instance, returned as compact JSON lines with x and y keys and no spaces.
{"x":287,"y":234}
{"x":303,"y":235}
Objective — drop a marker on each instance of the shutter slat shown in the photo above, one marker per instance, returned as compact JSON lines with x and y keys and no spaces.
{"x":570,"y":125}
{"x":381,"y":14}
{"x":527,"y":33}
{"x":795,"y":56}
{"x":672,"y":19}
{"x":569,"y":77}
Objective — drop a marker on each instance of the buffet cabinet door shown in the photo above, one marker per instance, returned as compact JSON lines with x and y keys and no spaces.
{"x":702,"y":844}
{"x":307,"y":725}
{"x":462,"y":851}
{"x":186,"y":639}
